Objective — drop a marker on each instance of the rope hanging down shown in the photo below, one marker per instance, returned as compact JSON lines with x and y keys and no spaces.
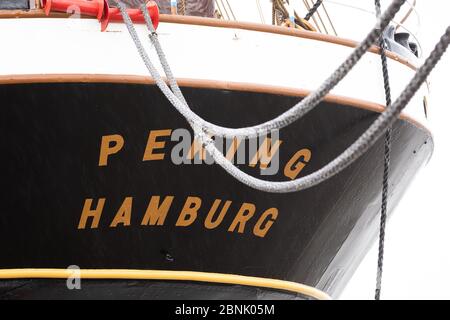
{"x":201,"y":127}
{"x":387,"y":160}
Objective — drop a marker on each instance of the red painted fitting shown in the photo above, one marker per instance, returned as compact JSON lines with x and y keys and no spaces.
{"x":101,"y":10}
{"x":94,"y":8}
{"x":136,"y":14}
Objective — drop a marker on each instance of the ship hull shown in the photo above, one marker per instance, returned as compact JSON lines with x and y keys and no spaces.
{"x":45,"y":289}
{"x":59,"y":167}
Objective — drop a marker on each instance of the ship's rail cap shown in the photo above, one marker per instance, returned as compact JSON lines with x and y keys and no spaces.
{"x":212,"y":22}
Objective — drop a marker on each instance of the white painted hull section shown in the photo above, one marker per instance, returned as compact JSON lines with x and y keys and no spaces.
{"x":76,"y":46}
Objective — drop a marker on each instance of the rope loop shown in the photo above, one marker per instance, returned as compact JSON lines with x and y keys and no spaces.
{"x":347,"y":157}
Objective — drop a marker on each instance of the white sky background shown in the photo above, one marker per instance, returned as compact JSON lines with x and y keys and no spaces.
{"x":417,"y":254}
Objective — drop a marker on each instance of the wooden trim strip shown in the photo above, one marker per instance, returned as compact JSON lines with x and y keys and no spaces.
{"x":299,"y":33}
{"x":207,"y":277}
{"x":36,"y":13}
{"x":200,"y":83}
{"x":210,"y":22}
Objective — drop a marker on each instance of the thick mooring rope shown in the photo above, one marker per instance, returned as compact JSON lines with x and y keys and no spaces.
{"x":286,"y":118}
{"x":387,"y":160}
{"x":351,"y":154}
{"x":313,"y":10}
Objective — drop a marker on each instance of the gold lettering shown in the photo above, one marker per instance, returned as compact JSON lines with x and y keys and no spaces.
{"x":156,"y":214}
{"x":233,"y":148}
{"x":246,"y":211}
{"x":152,"y":144}
{"x":196,"y":147}
{"x":189,"y":212}
{"x":265,"y":222}
{"x":94,"y":213}
{"x":123,"y":215}
{"x":265,"y":153}
{"x":106,"y":149}
{"x":209,"y":223}
{"x":291,"y":170}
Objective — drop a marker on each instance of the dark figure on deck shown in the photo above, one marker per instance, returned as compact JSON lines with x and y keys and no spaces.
{"x":201,"y":8}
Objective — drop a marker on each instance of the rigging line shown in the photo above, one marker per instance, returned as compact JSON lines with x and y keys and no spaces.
{"x":231,"y":10}
{"x":220,"y":10}
{"x":261,"y":15}
{"x":329,"y":19}
{"x":408,"y":14}
{"x":225,"y":10}
{"x":386,"y":164}
{"x":308,"y":7}
{"x":313,"y":10}
{"x":228,"y":15}
{"x":322,"y":21}
{"x":351,"y":154}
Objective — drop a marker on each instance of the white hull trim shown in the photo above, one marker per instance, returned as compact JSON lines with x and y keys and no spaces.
{"x":44,"y":46}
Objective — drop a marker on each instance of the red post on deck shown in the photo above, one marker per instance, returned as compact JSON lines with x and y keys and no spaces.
{"x":101,"y":10}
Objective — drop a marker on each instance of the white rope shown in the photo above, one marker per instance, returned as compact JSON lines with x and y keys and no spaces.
{"x":358,"y":148}
{"x":291,"y":115}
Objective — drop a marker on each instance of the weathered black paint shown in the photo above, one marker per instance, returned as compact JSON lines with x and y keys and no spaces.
{"x":50,"y":138}
{"x":141,"y":290}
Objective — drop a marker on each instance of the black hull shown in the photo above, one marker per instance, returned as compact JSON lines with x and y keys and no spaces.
{"x":50,"y":141}
{"x":37,"y":289}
